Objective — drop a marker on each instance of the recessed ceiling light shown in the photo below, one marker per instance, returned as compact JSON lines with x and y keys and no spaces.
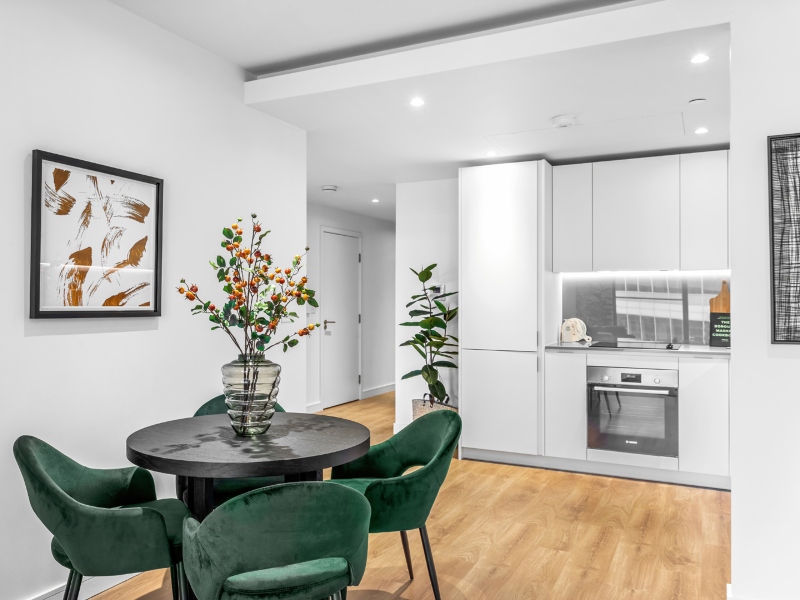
{"x":329,"y":188}
{"x":417,"y":101}
{"x":697,"y":101}
{"x":561,"y":121}
{"x":701,"y":130}
{"x":699,"y":58}
{"x":491,"y":153}
{"x":375,"y":200}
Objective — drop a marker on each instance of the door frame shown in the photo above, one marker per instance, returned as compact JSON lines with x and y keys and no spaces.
{"x":345,"y":233}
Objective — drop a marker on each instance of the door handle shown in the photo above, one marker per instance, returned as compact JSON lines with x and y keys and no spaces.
{"x":325,"y":322}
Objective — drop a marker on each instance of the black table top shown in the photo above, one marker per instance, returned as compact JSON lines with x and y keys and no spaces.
{"x":208,"y":447}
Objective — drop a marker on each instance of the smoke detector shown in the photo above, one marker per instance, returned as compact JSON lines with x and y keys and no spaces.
{"x":564,"y":121}
{"x":329,"y":188}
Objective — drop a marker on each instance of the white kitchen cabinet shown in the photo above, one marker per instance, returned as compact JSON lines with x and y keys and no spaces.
{"x":497,"y":401}
{"x":572,"y":218}
{"x":703,"y":416}
{"x":565,"y":405}
{"x":636,"y":214}
{"x":498,"y":239}
{"x":704,"y":210}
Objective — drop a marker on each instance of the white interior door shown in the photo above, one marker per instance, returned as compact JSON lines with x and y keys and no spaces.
{"x":340,"y":308}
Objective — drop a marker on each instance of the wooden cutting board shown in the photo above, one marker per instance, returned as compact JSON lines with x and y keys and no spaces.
{"x":720,"y":323}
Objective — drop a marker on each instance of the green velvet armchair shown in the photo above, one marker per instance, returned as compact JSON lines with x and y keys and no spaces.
{"x":104,"y":521}
{"x":296,"y":541}
{"x":225,"y":489}
{"x":403,"y":502}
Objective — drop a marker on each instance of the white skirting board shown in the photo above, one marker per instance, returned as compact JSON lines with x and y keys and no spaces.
{"x":377,"y":391}
{"x":91,"y":586}
{"x":314,"y":407}
{"x":599,"y":468}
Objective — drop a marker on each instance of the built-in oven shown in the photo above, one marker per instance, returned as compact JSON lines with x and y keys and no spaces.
{"x":632,"y":411}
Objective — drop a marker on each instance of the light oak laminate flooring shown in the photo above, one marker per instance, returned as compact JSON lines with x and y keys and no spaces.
{"x":504,"y":532}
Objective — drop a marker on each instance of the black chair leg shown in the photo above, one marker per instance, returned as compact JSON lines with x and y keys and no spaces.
{"x":73,"y":586}
{"x":426,"y":546}
{"x":183,"y":584}
{"x":407,"y":551}
{"x":173,"y":577}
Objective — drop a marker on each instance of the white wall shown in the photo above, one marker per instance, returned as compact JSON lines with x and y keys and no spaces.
{"x":87,"y":79}
{"x":765,"y":411}
{"x":377,"y":298}
{"x":427,"y":232}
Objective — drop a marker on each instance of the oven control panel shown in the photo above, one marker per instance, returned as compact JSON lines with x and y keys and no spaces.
{"x":666,"y":378}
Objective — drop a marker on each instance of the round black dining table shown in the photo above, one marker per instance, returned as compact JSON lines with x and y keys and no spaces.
{"x":202,"y":449}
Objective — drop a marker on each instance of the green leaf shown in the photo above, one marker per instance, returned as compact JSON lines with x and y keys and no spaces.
{"x":224,"y":245}
{"x":446,"y":364}
{"x":227,"y":233}
{"x":293,"y":343}
{"x":220,"y":261}
{"x":261,"y":237}
{"x":413,"y":302}
{"x":437,"y":389}
{"x":432,"y":322}
{"x":293,"y":314}
{"x":451,"y":314}
{"x":228,"y":289}
{"x":221,"y":275}
{"x":213,"y":318}
{"x":440,"y":296}
{"x":431,"y":268}
{"x":206,"y":305}
{"x":285,"y":347}
{"x":424,"y":276}
{"x":213,"y":264}
{"x":452,"y":337}
{"x":417,"y":313}
{"x":430,"y":374}
{"x":440,"y":306}
{"x":410,"y":324}
{"x":423,"y":340}
{"x":232,"y":262}
{"x":414,"y":272}
{"x":313,"y":302}
{"x":300,"y":302}
{"x":238,"y":238}
{"x":411,"y":374}
{"x":260,"y":346}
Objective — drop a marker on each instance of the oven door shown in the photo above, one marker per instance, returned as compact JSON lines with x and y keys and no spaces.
{"x":637,"y":420}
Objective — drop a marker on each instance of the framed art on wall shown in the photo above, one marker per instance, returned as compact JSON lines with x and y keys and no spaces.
{"x":784,"y":197}
{"x":95,"y":240}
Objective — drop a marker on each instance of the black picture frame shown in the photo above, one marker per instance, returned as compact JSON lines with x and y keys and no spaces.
{"x":783,"y":163}
{"x":39,"y":157}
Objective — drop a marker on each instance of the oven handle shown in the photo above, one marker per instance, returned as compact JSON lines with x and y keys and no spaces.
{"x":598,"y":388}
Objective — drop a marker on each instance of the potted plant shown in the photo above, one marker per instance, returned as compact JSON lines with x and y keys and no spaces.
{"x":259,"y":299}
{"x":435,"y":346}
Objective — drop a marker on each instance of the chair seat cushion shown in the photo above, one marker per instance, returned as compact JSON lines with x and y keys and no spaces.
{"x":312,"y":579}
{"x":225,"y":489}
{"x":360,"y":485}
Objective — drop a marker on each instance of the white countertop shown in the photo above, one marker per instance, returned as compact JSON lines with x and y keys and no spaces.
{"x":684,"y":350}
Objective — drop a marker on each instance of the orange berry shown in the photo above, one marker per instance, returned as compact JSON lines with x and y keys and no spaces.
{"x":235,"y":226}
{"x":287,"y":271}
{"x":259,"y":328}
{"x":284,"y":298}
{"x":193,"y":289}
{"x":181,"y":290}
{"x":274,"y":298}
{"x":250,"y":260}
{"x":235,"y":244}
{"x":229,"y":247}
{"x":189,"y":296}
{"x":212,"y":308}
{"x":271,"y":276}
{"x":257,"y":228}
{"x":311,"y":327}
{"x":305,"y":296}
{"x":291,"y":284}
{"x":227,"y":278}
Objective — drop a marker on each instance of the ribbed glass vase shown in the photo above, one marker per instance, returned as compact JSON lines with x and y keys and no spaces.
{"x":251,"y":392}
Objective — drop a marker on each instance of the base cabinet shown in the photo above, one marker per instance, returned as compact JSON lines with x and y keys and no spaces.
{"x":703,"y":416}
{"x":497,"y":400}
{"x":565,"y":405}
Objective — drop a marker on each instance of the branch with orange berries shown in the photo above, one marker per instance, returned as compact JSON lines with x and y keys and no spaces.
{"x":258,"y":294}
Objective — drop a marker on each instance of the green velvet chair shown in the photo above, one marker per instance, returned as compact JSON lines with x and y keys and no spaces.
{"x":104,"y":521}
{"x":225,"y":489}
{"x":296,"y":541}
{"x":403,"y":502}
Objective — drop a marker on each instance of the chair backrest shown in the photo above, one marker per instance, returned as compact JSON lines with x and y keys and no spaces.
{"x":274,"y":527}
{"x":217,"y":406}
{"x":428,"y":442}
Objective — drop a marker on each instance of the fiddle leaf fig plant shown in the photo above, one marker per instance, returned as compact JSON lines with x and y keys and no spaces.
{"x":432,"y":342}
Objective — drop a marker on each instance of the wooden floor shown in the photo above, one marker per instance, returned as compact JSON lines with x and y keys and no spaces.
{"x":503,"y":532}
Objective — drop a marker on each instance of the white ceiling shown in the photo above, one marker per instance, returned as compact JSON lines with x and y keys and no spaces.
{"x":629,"y":97}
{"x":266,"y":36}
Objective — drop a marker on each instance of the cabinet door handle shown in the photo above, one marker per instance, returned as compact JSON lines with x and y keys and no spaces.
{"x":325,"y":322}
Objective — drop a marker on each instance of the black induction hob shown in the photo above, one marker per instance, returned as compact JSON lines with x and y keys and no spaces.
{"x":636,"y":345}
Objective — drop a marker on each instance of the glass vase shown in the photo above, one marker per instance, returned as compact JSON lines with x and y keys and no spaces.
{"x":251,"y":392}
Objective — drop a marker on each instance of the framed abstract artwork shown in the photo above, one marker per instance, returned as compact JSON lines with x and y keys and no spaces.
{"x":784,"y":198}
{"x":95,"y":240}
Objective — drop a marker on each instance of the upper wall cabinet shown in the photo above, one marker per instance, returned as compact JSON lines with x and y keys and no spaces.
{"x":572,"y":218}
{"x":636,"y":214}
{"x":497,"y":299}
{"x":704,"y":210}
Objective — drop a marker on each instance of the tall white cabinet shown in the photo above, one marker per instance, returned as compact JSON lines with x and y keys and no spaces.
{"x":704,"y":210}
{"x":498,"y":300}
{"x":572,"y":218}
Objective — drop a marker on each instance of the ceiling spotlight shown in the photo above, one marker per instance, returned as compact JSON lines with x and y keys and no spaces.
{"x":561,"y":121}
{"x":697,"y":101}
{"x":701,"y":130}
{"x":699,"y":58}
{"x":375,"y":200}
{"x":417,"y":101}
{"x":329,"y":188}
{"x":491,"y":153}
